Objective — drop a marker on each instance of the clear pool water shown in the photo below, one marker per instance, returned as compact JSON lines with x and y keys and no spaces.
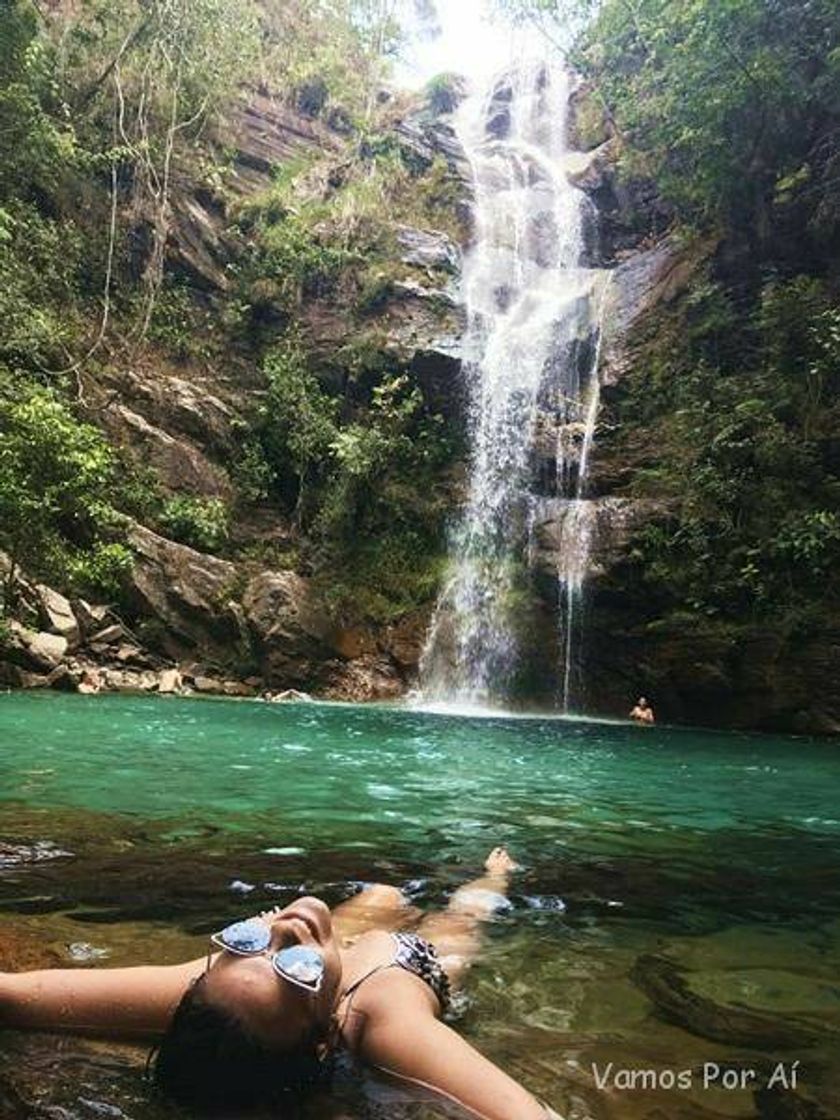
{"x":679,"y":902}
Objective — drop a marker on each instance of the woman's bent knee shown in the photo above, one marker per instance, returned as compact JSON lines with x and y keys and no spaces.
{"x":380,"y":894}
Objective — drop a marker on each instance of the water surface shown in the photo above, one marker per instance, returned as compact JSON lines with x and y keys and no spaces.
{"x":653,"y":860}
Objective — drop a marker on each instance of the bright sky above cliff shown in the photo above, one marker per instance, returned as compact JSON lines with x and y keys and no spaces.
{"x":468,"y":41}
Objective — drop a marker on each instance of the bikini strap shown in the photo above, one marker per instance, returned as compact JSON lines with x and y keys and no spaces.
{"x":358,"y":983}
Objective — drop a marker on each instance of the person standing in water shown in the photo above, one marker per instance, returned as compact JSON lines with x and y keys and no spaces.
{"x":643,"y":712}
{"x":259,"y":1016}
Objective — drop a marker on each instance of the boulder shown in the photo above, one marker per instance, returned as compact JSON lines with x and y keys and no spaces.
{"x":63,"y":679}
{"x":423,"y":325}
{"x":183,"y":400}
{"x":169,"y":682}
{"x":185,"y":589}
{"x":33,"y":649}
{"x":365,"y":678}
{"x":404,"y":640}
{"x":179,"y":463}
{"x":353,"y":641}
{"x":200,"y":246}
{"x":422,"y":140}
{"x":56,"y":614}
{"x":210,"y":686}
{"x":590,"y":171}
{"x":134,"y":656}
{"x":609,"y":526}
{"x":418,"y":326}
{"x":589,"y":125}
{"x":645,"y":279}
{"x":290,"y":696}
{"x":291,"y":634}
{"x":129,"y":680}
{"x":22,"y":679}
{"x":109,"y":636}
{"x":429,"y":249}
{"x":237,"y":688}
{"x":265,"y":132}
{"x":89,"y":617}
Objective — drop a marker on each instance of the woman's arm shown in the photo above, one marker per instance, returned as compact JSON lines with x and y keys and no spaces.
{"x":430,"y":1054}
{"x":402,"y":1037}
{"x":136,"y":1002}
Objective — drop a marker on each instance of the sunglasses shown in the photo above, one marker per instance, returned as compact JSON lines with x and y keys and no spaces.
{"x":301,"y":965}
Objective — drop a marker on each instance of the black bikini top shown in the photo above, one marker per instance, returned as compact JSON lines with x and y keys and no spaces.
{"x":416,"y":955}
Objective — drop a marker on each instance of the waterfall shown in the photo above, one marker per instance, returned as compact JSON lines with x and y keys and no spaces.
{"x":530,"y":359}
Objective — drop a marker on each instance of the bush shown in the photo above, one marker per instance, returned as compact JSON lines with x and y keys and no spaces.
{"x":56,"y":484}
{"x":298,"y":424}
{"x":179,"y":324}
{"x":443,"y":93}
{"x":744,"y":454}
{"x":38,"y":287}
{"x":202,"y":523}
{"x":99,"y":570}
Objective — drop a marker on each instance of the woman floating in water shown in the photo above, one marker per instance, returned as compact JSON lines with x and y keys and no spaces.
{"x":261,"y":1016}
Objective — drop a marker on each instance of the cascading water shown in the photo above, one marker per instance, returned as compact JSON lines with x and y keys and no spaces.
{"x":530,"y":355}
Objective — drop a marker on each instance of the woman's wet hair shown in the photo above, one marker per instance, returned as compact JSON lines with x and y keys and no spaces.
{"x":209,"y":1061}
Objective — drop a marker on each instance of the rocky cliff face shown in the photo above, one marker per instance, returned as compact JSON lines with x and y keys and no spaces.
{"x":726,"y":673}
{"x":224,"y":621}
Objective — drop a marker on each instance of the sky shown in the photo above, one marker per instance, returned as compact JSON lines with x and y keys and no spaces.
{"x":469,"y":42}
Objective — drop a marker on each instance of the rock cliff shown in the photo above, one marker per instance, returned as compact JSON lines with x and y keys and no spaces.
{"x":179,"y":420}
{"x":728,"y":670}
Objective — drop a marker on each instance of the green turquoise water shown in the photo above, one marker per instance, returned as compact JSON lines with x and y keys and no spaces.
{"x":715,"y":853}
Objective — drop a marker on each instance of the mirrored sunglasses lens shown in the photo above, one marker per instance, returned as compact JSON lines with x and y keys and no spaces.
{"x":299,"y":963}
{"x":244,"y":937}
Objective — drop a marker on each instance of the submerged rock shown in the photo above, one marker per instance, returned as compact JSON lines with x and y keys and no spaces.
{"x":84,"y":953}
{"x":669,"y":989}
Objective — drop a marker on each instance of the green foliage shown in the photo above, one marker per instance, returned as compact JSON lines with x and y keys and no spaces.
{"x":103,"y":93}
{"x":38,"y":287}
{"x":722,"y":102}
{"x":202,"y":523}
{"x":251,"y":470}
{"x":364,"y":485}
{"x":186,"y":58}
{"x":297,"y":262}
{"x":56,"y":481}
{"x":744,"y":439}
{"x":36,"y":146}
{"x":328,"y":58}
{"x":298,"y":423}
{"x":443,"y":92}
{"x":381,"y":525}
{"x":180,"y":325}
{"x":98,"y":570}
{"x":590,"y":124}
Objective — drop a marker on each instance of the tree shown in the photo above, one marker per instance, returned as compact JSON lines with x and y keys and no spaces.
{"x":56,"y":477}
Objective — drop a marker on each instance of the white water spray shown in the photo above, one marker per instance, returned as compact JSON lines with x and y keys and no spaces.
{"x":530,"y":357}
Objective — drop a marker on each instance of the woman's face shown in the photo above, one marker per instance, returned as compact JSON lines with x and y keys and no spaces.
{"x":280,"y":1014}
